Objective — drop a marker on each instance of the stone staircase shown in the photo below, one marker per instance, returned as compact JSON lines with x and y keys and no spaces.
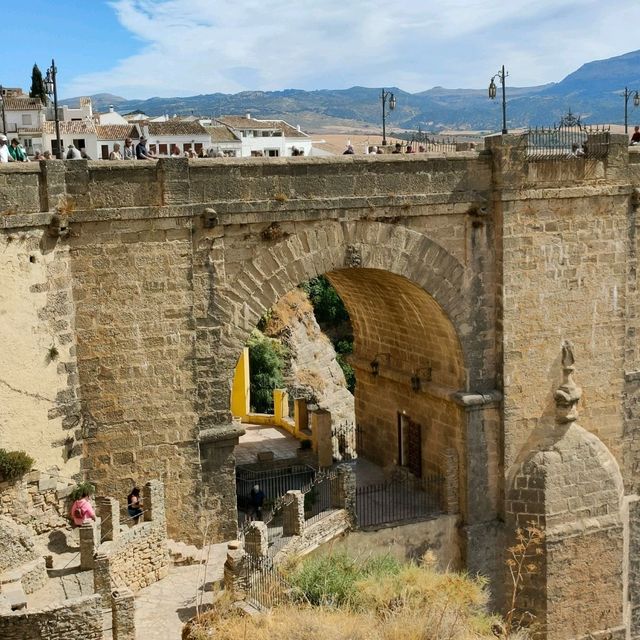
{"x":183,"y":554}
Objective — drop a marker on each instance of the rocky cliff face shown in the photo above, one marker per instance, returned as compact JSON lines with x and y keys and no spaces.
{"x":312,"y":371}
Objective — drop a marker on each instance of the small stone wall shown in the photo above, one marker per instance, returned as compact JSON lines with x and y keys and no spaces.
{"x":79,"y":619}
{"x":314,"y":535}
{"x":39,"y":500}
{"x":139,"y":556}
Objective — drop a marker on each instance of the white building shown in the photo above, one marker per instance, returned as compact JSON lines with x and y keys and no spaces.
{"x":164,"y":136}
{"x":80,"y":133}
{"x":23,"y":118}
{"x":267,"y":137}
{"x":223,"y":139}
{"x":108,"y":134}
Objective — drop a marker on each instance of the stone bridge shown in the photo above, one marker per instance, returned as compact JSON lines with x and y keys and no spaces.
{"x":129,"y":290}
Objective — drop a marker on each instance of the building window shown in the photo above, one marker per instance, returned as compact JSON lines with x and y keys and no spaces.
{"x":272,"y":153}
{"x":26,"y":119}
{"x":79,"y":143}
{"x":164,"y":149}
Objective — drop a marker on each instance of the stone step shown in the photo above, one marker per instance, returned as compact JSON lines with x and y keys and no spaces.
{"x":15,"y":595}
{"x":182,"y":554}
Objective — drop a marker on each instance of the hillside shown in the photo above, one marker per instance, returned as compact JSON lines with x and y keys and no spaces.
{"x":592,"y":91}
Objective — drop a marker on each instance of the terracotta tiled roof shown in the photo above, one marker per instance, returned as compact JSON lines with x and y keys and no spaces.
{"x":242,"y":123}
{"x":176,"y":128}
{"x":69,"y":127}
{"x":116,"y":131}
{"x":22,"y":104}
{"x":222,"y":134}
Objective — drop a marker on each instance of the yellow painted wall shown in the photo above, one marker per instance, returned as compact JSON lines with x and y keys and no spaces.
{"x":240,"y":391}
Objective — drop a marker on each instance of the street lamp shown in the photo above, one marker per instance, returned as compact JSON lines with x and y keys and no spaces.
{"x":502,"y":74}
{"x":636,"y":102}
{"x":384,"y":96}
{"x":4,"y":119}
{"x":51,"y":87}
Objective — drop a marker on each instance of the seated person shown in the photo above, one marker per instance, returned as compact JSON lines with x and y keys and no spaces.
{"x":635,"y":137}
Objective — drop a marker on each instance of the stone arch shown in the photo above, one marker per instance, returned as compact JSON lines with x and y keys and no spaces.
{"x":313,"y":250}
{"x":570,"y":486}
{"x":390,"y":259}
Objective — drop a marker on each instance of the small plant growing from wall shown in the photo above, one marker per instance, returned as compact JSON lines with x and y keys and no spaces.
{"x":14,"y":464}
{"x":82,"y":488}
{"x":52,"y":353}
{"x":523,"y":561}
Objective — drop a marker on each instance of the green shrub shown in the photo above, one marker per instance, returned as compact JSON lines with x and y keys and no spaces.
{"x":14,"y":464}
{"x":82,"y":488}
{"x":327,"y":304}
{"x":331,"y":579}
{"x":266,"y":364}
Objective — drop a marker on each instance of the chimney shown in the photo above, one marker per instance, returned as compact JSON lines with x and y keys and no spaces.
{"x":248,"y":116}
{"x":298,"y":127}
{"x":111,"y":109}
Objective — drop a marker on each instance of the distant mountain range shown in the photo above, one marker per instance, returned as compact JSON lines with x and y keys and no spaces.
{"x":593,"y":92}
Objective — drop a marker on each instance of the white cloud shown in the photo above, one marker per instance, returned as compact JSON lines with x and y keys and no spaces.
{"x":205,"y":46}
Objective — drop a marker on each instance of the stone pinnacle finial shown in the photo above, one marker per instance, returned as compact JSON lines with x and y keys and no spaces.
{"x":568,"y":393}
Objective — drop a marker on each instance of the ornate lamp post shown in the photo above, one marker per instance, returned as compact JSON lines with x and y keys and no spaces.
{"x":502,"y":74}
{"x":51,"y":88}
{"x":384,"y":96}
{"x":636,"y":102}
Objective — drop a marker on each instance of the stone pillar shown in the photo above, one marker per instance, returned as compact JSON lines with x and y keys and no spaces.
{"x":87,"y":545}
{"x":256,"y":540}
{"x":300,"y":414}
{"x":123,"y":615}
{"x":450,"y":499}
{"x":153,"y":503}
{"x":218,"y":491}
{"x":109,"y":513}
{"x":52,"y":185}
{"x":280,"y":405}
{"x":322,"y":442}
{"x":343,"y":492}
{"x":174,"y":177}
{"x":102,"y":578}
{"x":235,"y":577}
{"x":293,"y":514}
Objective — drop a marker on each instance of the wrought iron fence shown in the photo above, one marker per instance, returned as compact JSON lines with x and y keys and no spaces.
{"x":433,"y":144}
{"x":273,"y":482}
{"x":265,"y":586}
{"x":344,"y":439}
{"x":318,"y":496}
{"x":399,"y":500}
{"x":569,"y":139}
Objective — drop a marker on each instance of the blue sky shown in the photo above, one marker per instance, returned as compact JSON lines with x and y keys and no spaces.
{"x":144,"y":48}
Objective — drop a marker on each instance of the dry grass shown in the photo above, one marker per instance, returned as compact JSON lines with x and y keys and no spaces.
{"x":414,"y":603}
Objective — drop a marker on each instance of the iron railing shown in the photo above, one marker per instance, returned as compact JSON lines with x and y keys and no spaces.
{"x":345,"y":439}
{"x":274,"y":483}
{"x":319,"y":496}
{"x":399,"y":500}
{"x":265,"y":586}
{"x":570,"y":139}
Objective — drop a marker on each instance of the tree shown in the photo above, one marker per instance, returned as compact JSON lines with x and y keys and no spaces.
{"x":266,"y":364}
{"x":37,"y":85}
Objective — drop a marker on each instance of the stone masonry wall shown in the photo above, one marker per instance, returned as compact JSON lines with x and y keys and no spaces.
{"x":137,"y":558}
{"x":38,"y":375}
{"x":39,"y":500}
{"x":79,"y":619}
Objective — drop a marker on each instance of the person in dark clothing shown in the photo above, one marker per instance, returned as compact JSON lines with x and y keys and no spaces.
{"x":256,"y":500}
{"x":398,"y":148}
{"x":134,"y":505}
{"x":142,"y":153}
{"x":635,"y":137}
